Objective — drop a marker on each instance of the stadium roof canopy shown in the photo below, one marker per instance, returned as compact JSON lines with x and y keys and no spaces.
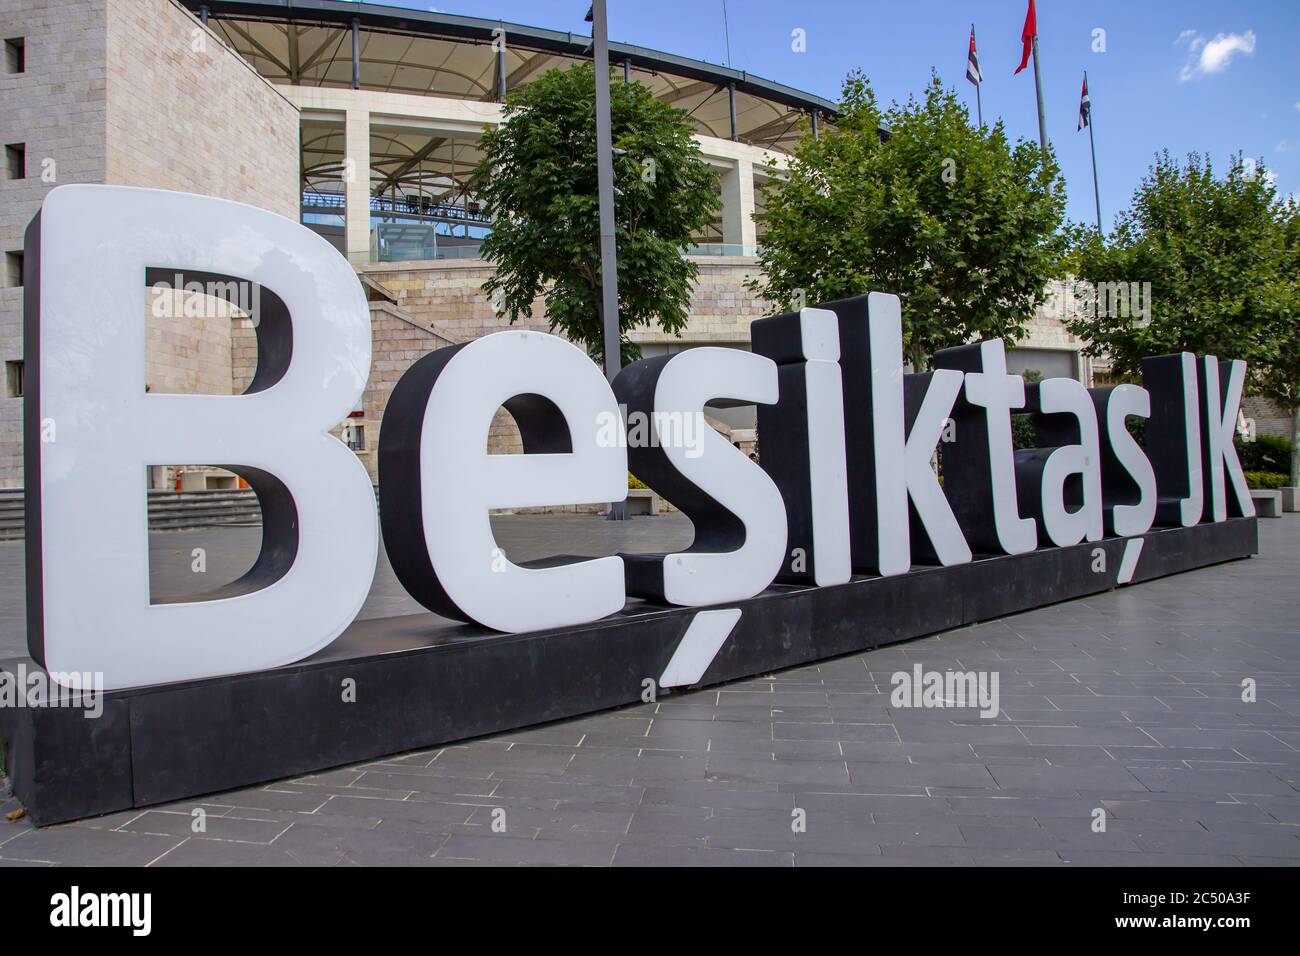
{"x":309,"y":43}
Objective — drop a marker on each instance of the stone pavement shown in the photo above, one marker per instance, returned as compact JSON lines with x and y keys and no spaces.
{"x":1128,"y":704}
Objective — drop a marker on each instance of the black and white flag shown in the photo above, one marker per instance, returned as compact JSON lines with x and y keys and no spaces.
{"x":1085,"y":106}
{"x":973,"y":62}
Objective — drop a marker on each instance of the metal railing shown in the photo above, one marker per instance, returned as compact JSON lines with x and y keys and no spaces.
{"x":408,"y":248}
{"x":720,"y":249}
{"x":411,"y":242}
{"x":405,"y":243}
{"x":414,"y":241}
{"x":411,"y":205}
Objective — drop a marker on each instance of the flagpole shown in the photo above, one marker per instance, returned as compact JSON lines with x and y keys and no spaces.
{"x":979,"y":106}
{"x":1038,"y":87}
{"x":1096,"y":190}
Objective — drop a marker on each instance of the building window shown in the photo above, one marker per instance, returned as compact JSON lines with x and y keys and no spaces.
{"x":355,"y":435}
{"x":16,"y":160}
{"x":13,"y":276}
{"x":14,"y":379}
{"x":15,"y":55}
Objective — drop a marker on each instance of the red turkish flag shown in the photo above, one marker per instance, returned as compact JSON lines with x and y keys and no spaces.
{"x":1027,"y":35}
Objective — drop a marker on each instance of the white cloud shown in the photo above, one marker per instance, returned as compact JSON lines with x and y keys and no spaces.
{"x":1285,"y":146}
{"x":1206,"y":57}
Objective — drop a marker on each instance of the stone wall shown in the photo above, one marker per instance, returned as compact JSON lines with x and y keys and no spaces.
{"x":441,"y":303}
{"x":136,"y":93}
{"x":166,"y":130}
{"x":56,"y":109}
{"x":397,"y":341}
{"x":187,"y":113}
{"x":243,"y":354}
{"x":1047,"y":331}
{"x":721,"y":305}
{"x":1269,"y":419}
{"x":187,"y":344}
{"x":448,"y":296}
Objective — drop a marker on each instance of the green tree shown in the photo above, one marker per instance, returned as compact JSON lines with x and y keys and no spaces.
{"x":961,"y":224}
{"x":1220,"y":255}
{"x":537,"y":178}
{"x":1278,"y":376}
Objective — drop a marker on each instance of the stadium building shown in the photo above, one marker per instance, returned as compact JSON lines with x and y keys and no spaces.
{"x":362,"y":122}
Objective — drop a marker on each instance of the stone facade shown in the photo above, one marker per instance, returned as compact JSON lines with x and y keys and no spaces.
{"x":1047,"y":328}
{"x":722,"y":306}
{"x":440,"y":303}
{"x":448,"y":295}
{"x":187,"y":113}
{"x":187,"y":344}
{"x":1268,"y":417}
{"x":56,"y":109}
{"x":122,"y":92}
{"x":397,"y":341}
{"x":1048,"y":346}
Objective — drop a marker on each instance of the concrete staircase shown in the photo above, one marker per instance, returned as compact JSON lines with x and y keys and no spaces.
{"x":168,"y":511}
{"x":11,"y":514}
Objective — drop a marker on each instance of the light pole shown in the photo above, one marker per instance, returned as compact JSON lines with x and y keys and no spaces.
{"x":605,"y":195}
{"x":605,"y":190}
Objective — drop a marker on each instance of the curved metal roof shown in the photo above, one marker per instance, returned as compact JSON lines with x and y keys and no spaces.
{"x":308,"y":42}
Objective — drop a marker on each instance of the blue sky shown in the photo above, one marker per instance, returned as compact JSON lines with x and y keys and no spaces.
{"x":1181,"y":74}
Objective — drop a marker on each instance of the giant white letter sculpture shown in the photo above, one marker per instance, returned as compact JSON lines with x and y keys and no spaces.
{"x":92,"y":432}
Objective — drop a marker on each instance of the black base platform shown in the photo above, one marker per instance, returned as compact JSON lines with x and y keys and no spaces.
{"x":421,"y":681}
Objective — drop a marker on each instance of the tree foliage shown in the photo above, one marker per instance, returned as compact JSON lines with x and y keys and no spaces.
{"x":537,"y":178}
{"x":1279,"y":372}
{"x":960,"y":223}
{"x":1209,"y":246}
{"x":1278,"y":375}
{"x":1221,"y":255}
